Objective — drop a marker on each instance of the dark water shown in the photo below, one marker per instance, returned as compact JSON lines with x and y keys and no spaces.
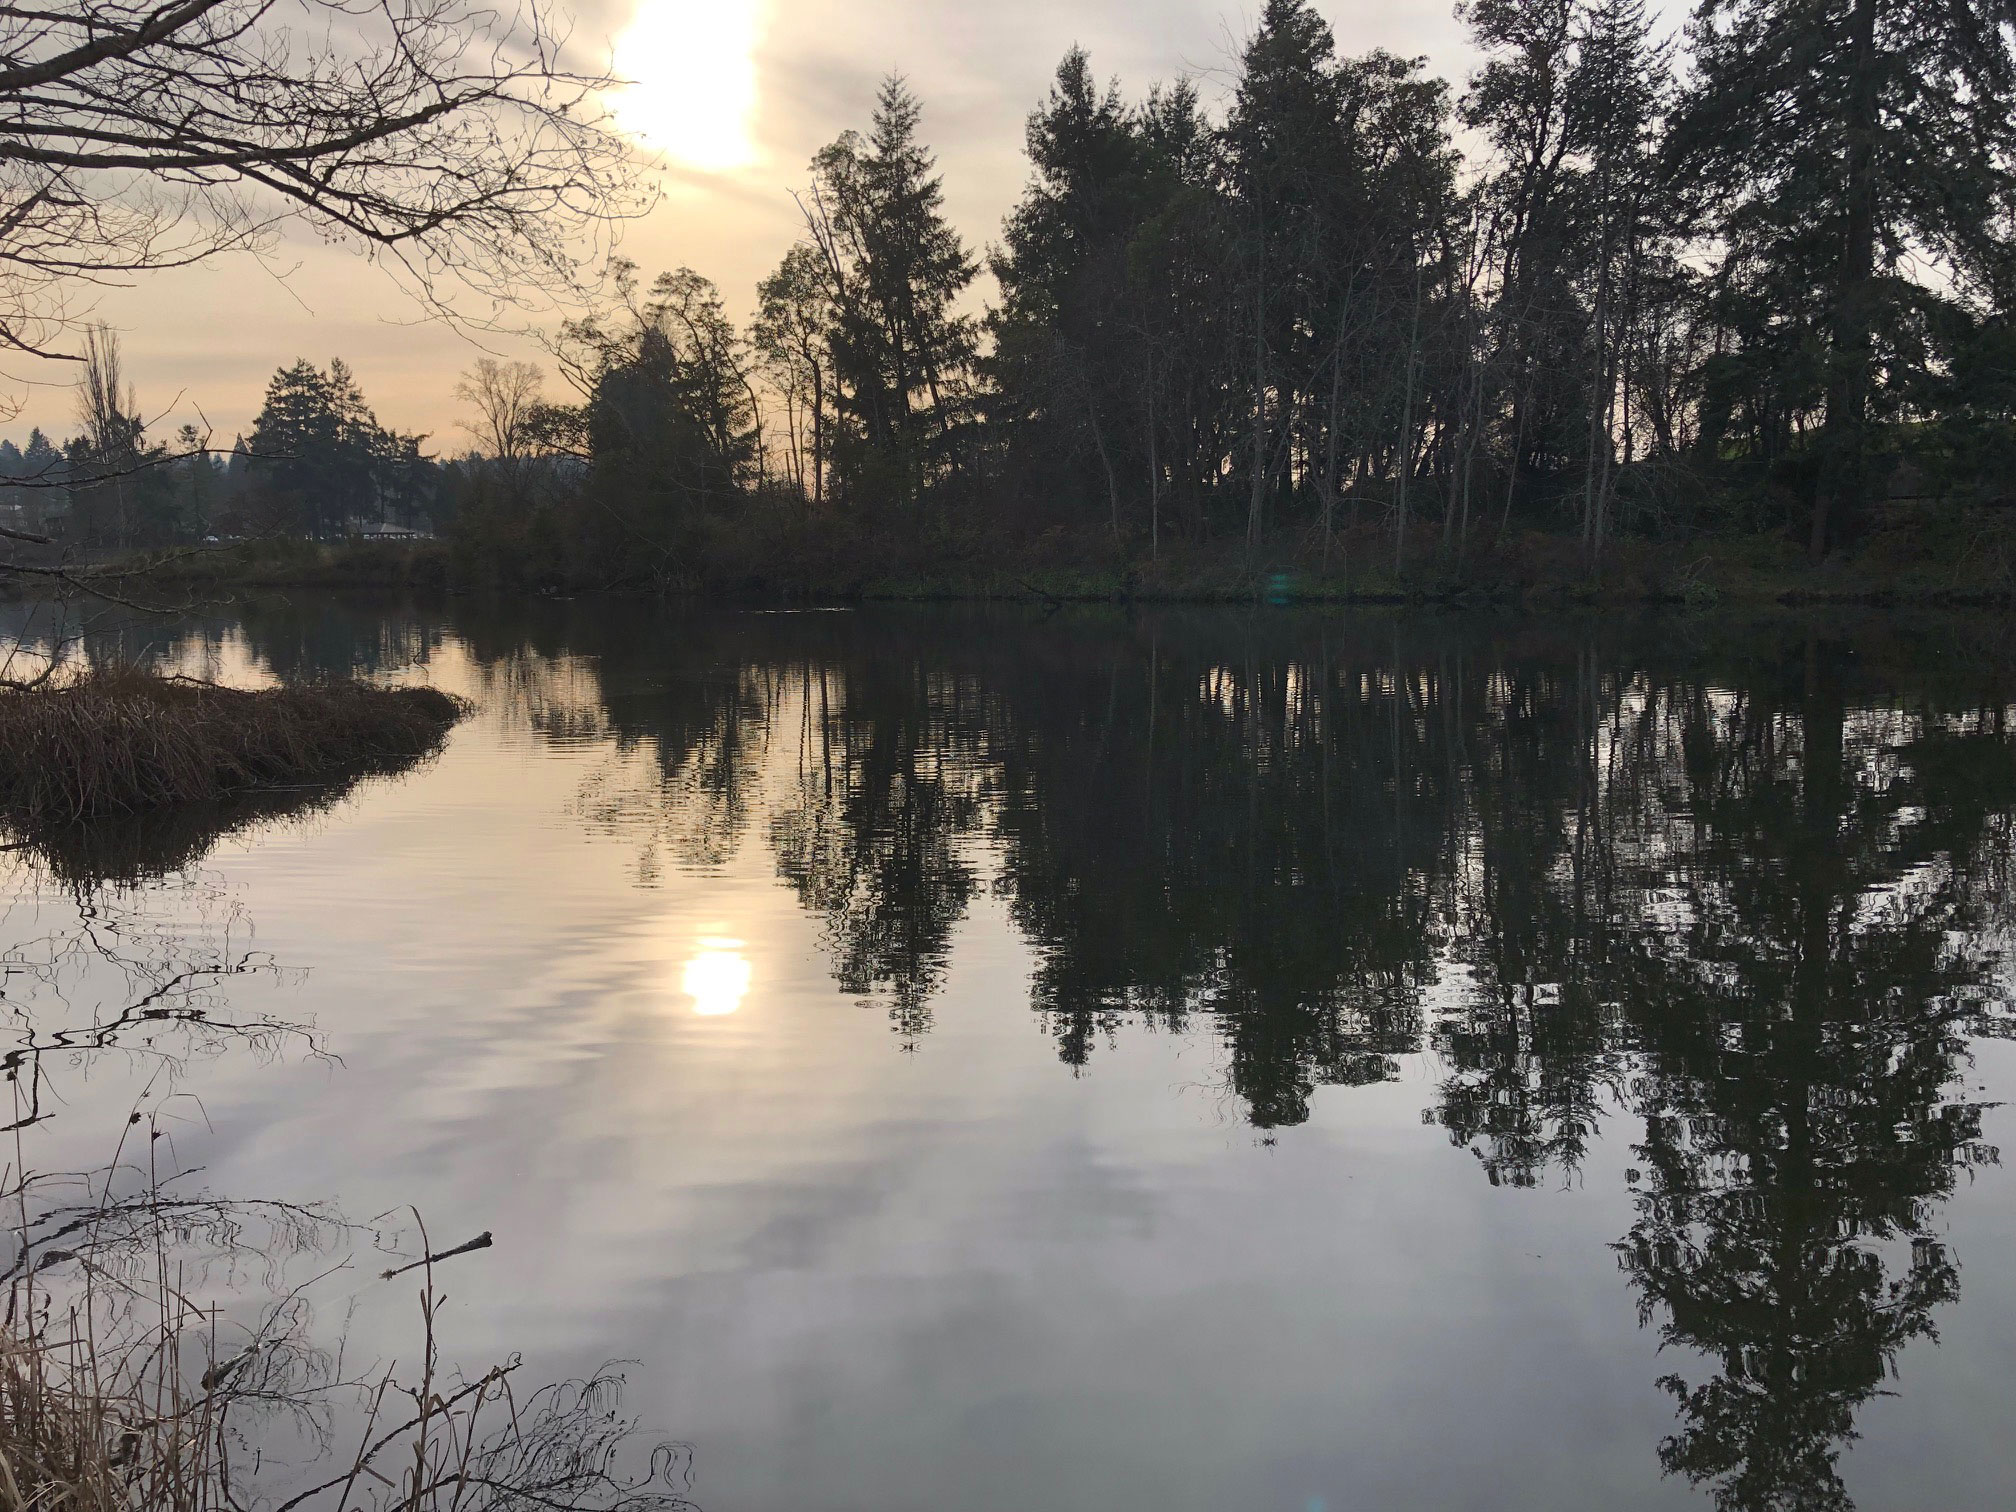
{"x":1186,"y":1061}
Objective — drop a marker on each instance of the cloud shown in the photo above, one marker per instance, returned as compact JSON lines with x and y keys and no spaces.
{"x":215,"y":334}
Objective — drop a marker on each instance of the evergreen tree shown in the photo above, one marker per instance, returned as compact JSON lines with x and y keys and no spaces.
{"x":315,"y":449}
{"x":43,"y":467}
{"x":1856,"y":156}
{"x":318,"y":460}
{"x":1075,"y":335}
{"x":670,"y":425}
{"x":195,"y":484}
{"x":895,"y":271}
{"x":1282,"y":144}
{"x":1342,"y":177}
{"x":16,"y":501}
{"x":1520,"y":102}
{"x":1615,"y":93}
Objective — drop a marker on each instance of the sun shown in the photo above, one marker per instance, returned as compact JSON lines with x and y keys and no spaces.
{"x":691,"y":67}
{"x":717,"y":978}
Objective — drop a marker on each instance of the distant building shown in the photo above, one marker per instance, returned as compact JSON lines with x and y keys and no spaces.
{"x":385,"y":530}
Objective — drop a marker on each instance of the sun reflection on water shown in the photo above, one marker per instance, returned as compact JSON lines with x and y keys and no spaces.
{"x":716,"y":978}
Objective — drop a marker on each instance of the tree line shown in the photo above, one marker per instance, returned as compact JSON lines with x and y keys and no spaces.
{"x":1756,"y":277}
{"x":317,"y":463}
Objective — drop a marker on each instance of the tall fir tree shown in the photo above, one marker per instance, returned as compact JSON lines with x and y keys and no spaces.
{"x":1856,"y":156}
{"x":896,"y":271}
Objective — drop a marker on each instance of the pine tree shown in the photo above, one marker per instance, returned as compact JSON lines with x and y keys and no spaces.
{"x":1074,"y":334}
{"x":1340,"y":174}
{"x":895,"y":271}
{"x":1857,"y":157}
{"x":670,"y":424}
{"x":1614,"y":93}
{"x":1520,"y":102}
{"x":1281,"y":144}
{"x":317,"y":450}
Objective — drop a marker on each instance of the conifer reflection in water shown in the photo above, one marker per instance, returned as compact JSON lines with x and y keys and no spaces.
{"x":1738,"y":905}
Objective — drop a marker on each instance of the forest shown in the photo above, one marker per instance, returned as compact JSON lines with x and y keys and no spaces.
{"x":1617,"y":298}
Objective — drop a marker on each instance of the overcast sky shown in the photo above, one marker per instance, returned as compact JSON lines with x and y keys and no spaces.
{"x":736,"y":95}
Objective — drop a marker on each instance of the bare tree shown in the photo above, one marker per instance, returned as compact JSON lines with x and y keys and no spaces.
{"x":106,"y":405}
{"x":109,"y":411}
{"x":506,"y":396}
{"x":446,"y":139}
{"x":792,"y":336}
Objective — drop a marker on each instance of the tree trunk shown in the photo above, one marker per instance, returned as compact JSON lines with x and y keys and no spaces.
{"x":1154,"y":471}
{"x":1259,"y":493}
{"x":1407,"y":430}
{"x":1330,"y":453}
{"x":818,"y":435}
{"x":1844,"y":483}
{"x":1106,"y":463}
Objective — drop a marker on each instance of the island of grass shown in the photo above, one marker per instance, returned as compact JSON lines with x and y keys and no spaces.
{"x":128,"y":742}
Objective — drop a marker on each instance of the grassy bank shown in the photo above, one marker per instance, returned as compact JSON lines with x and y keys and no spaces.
{"x":286,"y":563}
{"x":1944,"y":555}
{"x":1964,"y":557}
{"x":125,"y":742}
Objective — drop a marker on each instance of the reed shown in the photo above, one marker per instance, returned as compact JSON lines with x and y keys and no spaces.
{"x":80,"y":1432}
{"x":119,"y":1393}
{"x":127,"y":741}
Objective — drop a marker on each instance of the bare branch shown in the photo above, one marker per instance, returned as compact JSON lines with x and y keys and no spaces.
{"x":447,"y":139}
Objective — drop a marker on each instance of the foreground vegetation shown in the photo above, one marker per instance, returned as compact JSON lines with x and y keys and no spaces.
{"x":100,"y":1413}
{"x":118,"y":742}
{"x":128,"y":1383}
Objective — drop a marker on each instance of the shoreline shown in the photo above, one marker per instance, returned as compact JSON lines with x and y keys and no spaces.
{"x":1533,"y":573}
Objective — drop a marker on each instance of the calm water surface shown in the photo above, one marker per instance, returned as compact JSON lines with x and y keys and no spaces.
{"x":1190,"y":1061}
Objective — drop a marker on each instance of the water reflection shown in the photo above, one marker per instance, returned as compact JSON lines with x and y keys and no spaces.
{"x":717,"y":979}
{"x":1734,"y":895}
{"x":1751,"y":905}
{"x":164,"y":1344}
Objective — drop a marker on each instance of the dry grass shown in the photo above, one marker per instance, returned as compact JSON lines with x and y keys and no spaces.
{"x":72,"y":1441}
{"x":127,"y":742}
{"x":118,"y":1393}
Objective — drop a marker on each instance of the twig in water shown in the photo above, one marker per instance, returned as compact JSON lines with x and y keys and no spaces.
{"x":480,"y":1242}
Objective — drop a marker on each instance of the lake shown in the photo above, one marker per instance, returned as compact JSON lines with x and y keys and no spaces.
{"x":982,"y":1059}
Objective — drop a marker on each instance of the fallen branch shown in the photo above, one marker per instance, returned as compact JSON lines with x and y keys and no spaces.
{"x":482,"y":1241}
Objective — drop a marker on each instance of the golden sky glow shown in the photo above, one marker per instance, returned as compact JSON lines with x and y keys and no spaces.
{"x":691,"y":72}
{"x":735,"y":96}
